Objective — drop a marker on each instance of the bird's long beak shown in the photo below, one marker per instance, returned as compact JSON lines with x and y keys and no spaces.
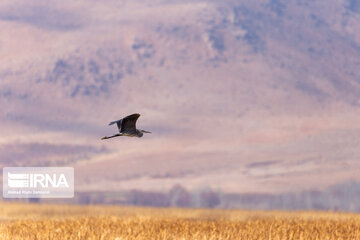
{"x":145,"y":131}
{"x":104,"y":138}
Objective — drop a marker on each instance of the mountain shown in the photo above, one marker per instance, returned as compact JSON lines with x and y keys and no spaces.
{"x":250,"y":96}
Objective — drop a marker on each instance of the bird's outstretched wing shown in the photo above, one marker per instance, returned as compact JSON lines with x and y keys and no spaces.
{"x":128,"y":124}
{"x":118,"y":122}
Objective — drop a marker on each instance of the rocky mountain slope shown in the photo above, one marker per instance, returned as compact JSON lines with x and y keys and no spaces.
{"x":250,"y":96}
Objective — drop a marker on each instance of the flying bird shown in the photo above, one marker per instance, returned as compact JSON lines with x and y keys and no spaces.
{"x":127,"y":127}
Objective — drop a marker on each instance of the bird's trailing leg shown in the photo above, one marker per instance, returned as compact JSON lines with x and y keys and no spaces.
{"x":116,"y":135}
{"x":144,"y":131}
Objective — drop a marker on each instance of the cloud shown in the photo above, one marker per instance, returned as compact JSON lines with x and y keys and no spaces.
{"x":48,"y":124}
{"x":45,"y":154}
{"x":42,"y":16}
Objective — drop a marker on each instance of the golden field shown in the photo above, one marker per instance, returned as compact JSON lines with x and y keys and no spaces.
{"x":32,"y":221}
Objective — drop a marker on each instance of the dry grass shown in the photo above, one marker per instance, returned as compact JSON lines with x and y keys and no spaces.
{"x":29,"y":221}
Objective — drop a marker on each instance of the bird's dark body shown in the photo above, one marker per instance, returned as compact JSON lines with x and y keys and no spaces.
{"x":127,"y":127}
{"x":137,"y":133}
